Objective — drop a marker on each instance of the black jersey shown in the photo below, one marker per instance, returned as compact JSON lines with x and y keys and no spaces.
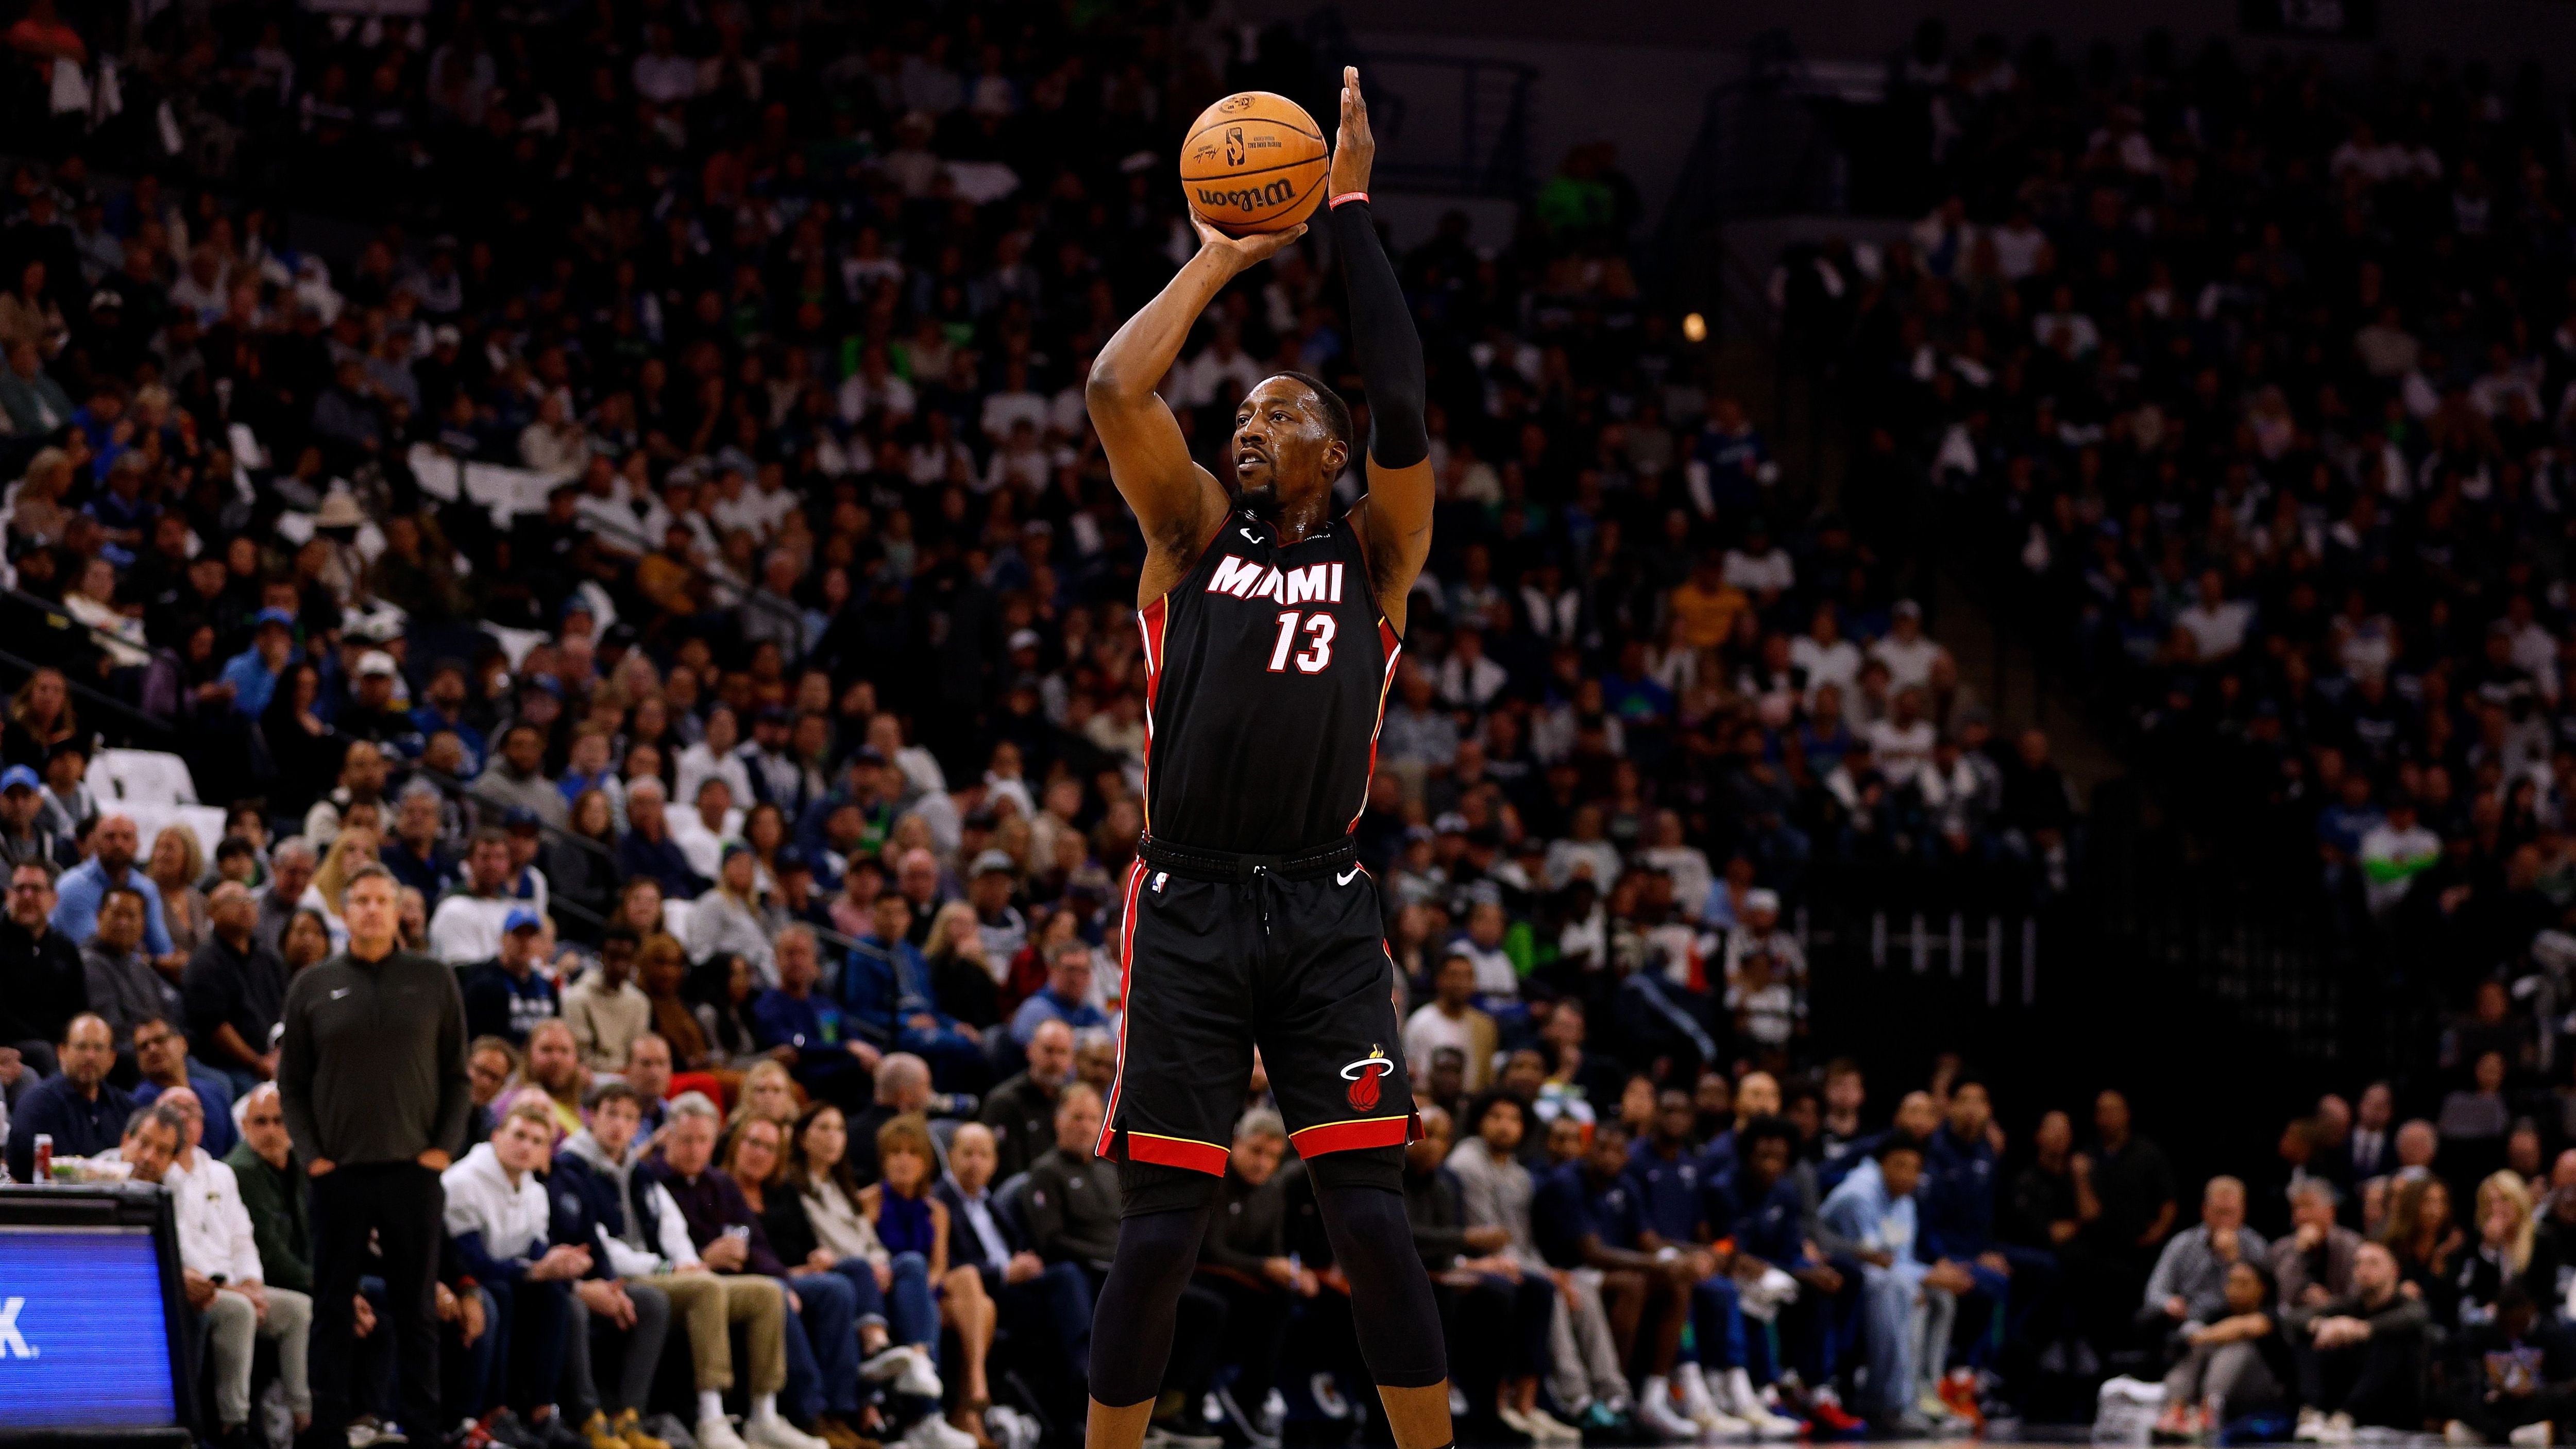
{"x":1266,"y":671}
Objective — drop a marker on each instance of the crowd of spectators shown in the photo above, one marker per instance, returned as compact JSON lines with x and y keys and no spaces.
{"x":2248,"y":388}
{"x":764,"y":774}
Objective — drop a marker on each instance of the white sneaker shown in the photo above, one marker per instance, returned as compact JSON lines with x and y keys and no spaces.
{"x":1328,"y":1396}
{"x":1512,"y":1420}
{"x":934,"y":1432}
{"x":918,"y":1378}
{"x":1660,"y":1416}
{"x":1743,"y":1402}
{"x":2531,"y":1436}
{"x":2459,"y":1435}
{"x":2338,"y":1428}
{"x":717,"y":1433}
{"x":1547,"y":1426}
{"x":2312,"y":1426}
{"x":772,"y":1431}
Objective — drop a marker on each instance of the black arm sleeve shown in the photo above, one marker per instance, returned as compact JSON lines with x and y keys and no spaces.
{"x":1383,"y":341}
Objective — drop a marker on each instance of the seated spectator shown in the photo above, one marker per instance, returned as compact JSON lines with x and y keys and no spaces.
{"x":909,"y":1218}
{"x":843,"y":1313}
{"x":1585,"y":1215}
{"x":516,"y":778}
{"x":1908,"y":1304}
{"x":469,"y":923}
{"x":647,"y":1069}
{"x":826,"y":1230}
{"x":1020,"y":1113}
{"x":1498,"y":1316}
{"x":735,"y":917}
{"x":82,"y":892}
{"x":1065,"y":999}
{"x":506,"y":995}
{"x":2238,"y":1358}
{"x":1073,"y":1204}
{"x":2511,"y":1376}
{"x":1762,"y":1205}
{"x":42,"y":977}
{"x":234,"y":990}
{"x":125,"y":987}
{"x":2360,"y":1355}
{"x":498,"y":1222}
{"x":418,"y":854}
{"x":605,"y":1008}
{"x":648,"y":1236}
{"x":2312,"y":1263}
{"x":275,"y":1191}
{"x":162,"y":1064}
{"x":647,"y":848}
{"x":886,"y":987}
{"x":220,"y":1272}
{"x":709,"y":1204}
{"x":554,"y":1068}
{"x":2189,"y":1284}
{"x":1450,"y":1019}
{"x":1036,"y":1300}
{"x":807,"y":1031}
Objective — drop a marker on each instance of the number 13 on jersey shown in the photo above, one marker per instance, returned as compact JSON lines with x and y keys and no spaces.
{"x":1318,"y":651}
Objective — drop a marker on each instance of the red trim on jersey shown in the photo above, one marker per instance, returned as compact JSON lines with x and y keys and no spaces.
{"x":1393,"y":644}
{"x":1151,"y":622}
{"x":1126,"y":1008}
{"x":1186,"y":1152}
{"x":1356,"y":1133}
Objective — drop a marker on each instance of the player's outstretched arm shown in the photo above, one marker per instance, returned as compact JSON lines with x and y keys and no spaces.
{"x":1177,"y":502}
{"x":1395,"y":519}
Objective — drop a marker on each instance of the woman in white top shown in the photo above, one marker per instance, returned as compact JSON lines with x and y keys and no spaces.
{"x":819,"y":1172}
{"x":732,"y":917}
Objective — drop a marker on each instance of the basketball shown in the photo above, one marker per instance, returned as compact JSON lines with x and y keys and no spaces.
{"x":1253,"y":162}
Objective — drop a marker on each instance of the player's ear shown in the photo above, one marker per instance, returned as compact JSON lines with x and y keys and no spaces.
{"x":1337,"y":456}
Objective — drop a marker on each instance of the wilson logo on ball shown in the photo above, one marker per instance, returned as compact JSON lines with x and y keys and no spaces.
{"x":1250,"y":198}
{"x":1364,"y":1076}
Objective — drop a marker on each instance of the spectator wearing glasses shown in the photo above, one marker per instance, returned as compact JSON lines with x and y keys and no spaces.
{"x":77,"y":1107}
{"x":163,"y":1064}
{"x":43,"y":984}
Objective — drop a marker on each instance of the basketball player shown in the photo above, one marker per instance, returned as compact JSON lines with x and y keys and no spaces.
{"x":1271,"y":632}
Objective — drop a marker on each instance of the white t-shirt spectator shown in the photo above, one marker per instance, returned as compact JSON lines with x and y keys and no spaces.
{"x":1901,"y":749}
{"x":1005,"y":408}
{"x":663,"y":79}
{"x":1197,"y":384}
{"x":466,"y":928}
{"x":1756,"y":572}
{"x":1907,"y":664}
{"x":1688,"y":867}
{"x":2218,"y":630}
{"x":859,"y":395}
{"x":1565,"y":857}
{"x":1471,"y":685}
{"x":1471,"y":1032}
{"x":1837,"y":664}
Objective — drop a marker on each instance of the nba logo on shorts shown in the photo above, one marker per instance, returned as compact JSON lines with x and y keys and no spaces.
{"x":1363,"y":1076}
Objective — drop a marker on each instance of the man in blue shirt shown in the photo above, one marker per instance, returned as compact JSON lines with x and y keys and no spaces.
{"x":829,"y":1062}
{"x":1664,"y":1174}
{"x":886,"y":988}
{"x":1587,"y":1214}
{"x":1066,"y":997}
{"x":1960,"y":1180}
{"x":161,"y":1056}
{"x":442,"y":707}
{"x":84,"y":886}
{"x":1760,"y":1207}
{"x":77,"y":1108}
{"x":505,"y":996}
{"x":253,"y":672}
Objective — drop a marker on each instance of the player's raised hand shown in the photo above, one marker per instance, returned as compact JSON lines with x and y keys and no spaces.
{"x":1354,"y":150}
{"x":1242,"y":253}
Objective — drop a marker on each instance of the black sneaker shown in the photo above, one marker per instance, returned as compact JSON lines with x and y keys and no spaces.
{"x":557,"y":1434}
{"x":509,"y":1431}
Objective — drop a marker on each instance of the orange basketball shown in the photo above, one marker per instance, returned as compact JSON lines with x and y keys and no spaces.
{"x":1254,"y":162}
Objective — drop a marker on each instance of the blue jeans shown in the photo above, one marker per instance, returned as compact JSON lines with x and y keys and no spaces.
{"x":529,"y":1326}
{"x":823,"y":1348}
{"x":1717,"y":1325}
{"x":907,"y":1308}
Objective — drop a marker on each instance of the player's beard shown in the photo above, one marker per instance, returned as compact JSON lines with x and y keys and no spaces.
{"x":1261,"y":499}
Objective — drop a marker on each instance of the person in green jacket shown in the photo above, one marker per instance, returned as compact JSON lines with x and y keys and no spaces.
{"x":273,"y":1190}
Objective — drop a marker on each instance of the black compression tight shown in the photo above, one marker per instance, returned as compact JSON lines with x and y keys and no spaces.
{"x":1397,"y":1323}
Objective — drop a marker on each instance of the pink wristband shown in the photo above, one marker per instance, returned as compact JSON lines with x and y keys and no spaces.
{"x":1345,"y":196}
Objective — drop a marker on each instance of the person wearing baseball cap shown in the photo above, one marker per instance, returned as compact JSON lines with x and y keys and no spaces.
{"x":253,"y":673}
{"x":507,"y":996}
{"x":26,"y":833}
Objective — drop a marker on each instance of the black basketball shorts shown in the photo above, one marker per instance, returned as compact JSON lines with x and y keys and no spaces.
{"x":1214,"y":968}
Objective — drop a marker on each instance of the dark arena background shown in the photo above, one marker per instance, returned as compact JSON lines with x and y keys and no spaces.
{"x":2017,"y":550}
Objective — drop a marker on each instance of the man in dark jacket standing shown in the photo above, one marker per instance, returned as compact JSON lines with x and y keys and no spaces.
{"x":371,"y":1073}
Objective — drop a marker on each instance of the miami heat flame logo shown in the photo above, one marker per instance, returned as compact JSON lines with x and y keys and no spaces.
{"x":1363,"y":1075}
